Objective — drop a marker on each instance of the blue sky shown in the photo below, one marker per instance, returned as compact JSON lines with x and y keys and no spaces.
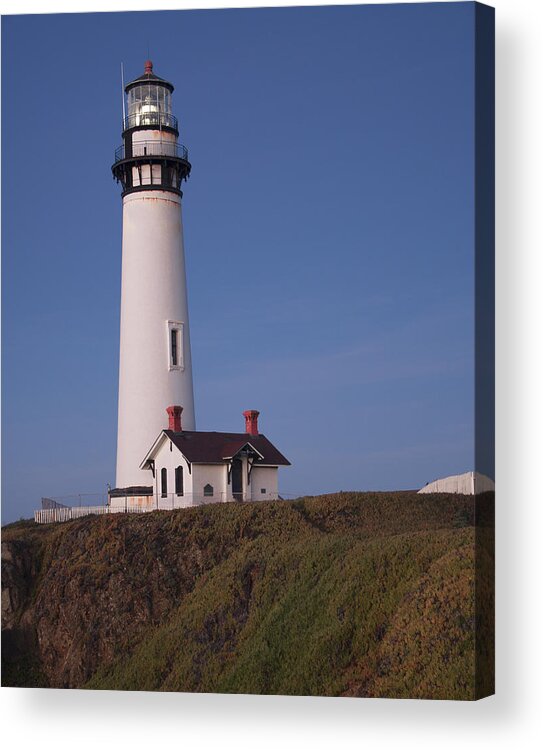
{"x":329,"y":238}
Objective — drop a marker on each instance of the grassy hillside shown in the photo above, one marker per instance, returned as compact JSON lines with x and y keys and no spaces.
{"x":350,"y":594}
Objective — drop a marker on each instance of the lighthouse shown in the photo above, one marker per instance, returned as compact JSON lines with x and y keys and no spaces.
{"x":155,"y":353}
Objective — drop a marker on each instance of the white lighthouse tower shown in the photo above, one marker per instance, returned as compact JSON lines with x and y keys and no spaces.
{"x":155,"y":354}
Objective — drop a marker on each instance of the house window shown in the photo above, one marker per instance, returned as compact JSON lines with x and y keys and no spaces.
{"x":208,"y":490}
{"x":263,"y":491}
{"x":164,"y":483}
{"x":175,"y":345}
{"x":179,"y":480}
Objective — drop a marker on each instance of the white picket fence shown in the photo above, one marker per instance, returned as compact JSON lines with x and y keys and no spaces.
{"x":128,"y":504}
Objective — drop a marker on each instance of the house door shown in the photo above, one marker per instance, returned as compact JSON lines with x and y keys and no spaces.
{"x":236,"y":479}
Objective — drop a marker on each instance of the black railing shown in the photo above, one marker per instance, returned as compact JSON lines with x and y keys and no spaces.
{"x":146,"y":119}
{"x":153,"y":148}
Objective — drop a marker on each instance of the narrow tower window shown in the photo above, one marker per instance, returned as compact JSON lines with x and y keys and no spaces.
{"x":164,"y":483}
{"x":179,"y":480}
{"x":175,"y":345}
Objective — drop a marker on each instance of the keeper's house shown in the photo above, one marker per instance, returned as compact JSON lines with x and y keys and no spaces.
{"x":191,"y":468}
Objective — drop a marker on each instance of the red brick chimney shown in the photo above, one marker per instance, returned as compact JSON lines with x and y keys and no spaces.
{"x":174,"y":418}
{"x":252,"y":426}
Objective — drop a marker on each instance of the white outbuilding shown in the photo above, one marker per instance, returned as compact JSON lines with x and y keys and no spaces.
{"x":187,"y":467}
{"x":469,"y":483}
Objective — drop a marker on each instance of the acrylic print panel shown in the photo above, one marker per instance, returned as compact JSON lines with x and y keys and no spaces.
{"x":248,"y":382}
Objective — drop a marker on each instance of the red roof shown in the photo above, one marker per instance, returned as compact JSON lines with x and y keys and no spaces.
{"x":215,"y":447}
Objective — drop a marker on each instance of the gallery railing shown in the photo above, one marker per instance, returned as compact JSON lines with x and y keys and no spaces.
{"x":152,"y":148}
{"x":146,"y":119}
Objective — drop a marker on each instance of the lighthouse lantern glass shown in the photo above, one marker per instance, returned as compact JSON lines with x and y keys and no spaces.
{"x":147,"y":102}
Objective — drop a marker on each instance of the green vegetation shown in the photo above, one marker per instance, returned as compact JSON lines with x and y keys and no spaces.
{"x":351,"y":594}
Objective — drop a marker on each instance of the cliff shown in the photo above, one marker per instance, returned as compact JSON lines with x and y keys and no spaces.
{"x":351,"y":594}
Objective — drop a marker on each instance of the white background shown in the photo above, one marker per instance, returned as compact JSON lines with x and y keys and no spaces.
{"x":74,"y":719}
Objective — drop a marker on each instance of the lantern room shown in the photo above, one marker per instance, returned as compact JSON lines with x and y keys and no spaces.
{"x":150,"y":158}
{"x":149,"y":102}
